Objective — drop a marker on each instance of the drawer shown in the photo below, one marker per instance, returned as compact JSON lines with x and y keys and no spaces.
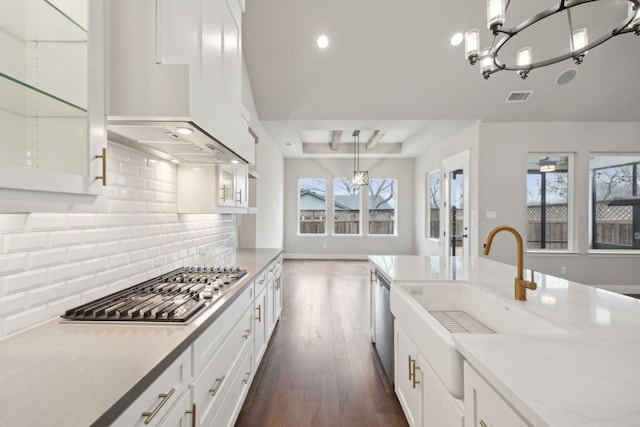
{"x":211,"y":387}
{"x":153,"y":405}
{"x":207,"y":344}
{"x":260,"y":280}
{"x":238,"y":388}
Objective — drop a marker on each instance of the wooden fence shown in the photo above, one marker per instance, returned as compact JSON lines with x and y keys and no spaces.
{"x":381,"y":222}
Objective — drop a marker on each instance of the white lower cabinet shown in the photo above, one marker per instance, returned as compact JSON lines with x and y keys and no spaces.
{"x":154,"y":406}
{"x":484,"y":406}
{"x":260,"y":323}
{"x":207,"y":384}
{"x":424,"y":399}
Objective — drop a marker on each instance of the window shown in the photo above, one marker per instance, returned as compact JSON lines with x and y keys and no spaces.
{"x":548,"y":201}
{"x":312,"y":205}
{"x":382,"y":206}
{"x":346,"y":207}
{"x":433,"y":205}
{"x":615,"y":201}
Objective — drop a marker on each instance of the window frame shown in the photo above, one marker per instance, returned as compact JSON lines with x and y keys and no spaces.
{"x":611,"y":248}
{"x":335,"y":209}
{"x":326,"y":210}
{"x":571,"y":223}
{"x":395,"y":208}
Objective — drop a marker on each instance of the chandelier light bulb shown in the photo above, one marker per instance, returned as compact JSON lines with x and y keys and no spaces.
{"x":523,"y":59}
{"x":471,"y":45}
{"x":486,"y":62}
{"x":495,"y":14}
{"x":635,"y":12}
{"x":579,"y":38}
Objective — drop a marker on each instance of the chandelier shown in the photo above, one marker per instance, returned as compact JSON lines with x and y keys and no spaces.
{"x":358,"y":177}
{"x":578,"y":43}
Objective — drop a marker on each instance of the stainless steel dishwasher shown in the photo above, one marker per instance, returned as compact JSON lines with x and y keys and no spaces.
{"x":383,"y":323}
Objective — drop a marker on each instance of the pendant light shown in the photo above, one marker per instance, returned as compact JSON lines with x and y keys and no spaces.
{"x":358,"y":178}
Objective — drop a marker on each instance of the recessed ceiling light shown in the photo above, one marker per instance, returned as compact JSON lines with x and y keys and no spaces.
{"x":322,"y":41}
{"x":289,"y":144}
{"x":235,"y":162}
{"x":184,"y":131}
{"x":566,"y":76}
{"x":175,"y":160}
{"x":456,"y":39}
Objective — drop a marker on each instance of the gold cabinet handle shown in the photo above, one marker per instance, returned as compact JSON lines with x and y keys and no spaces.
{"x":414,"y":374}
{"x":219,"y":382}
{"x":483,"y":424}
{"x":239,"y":200}
{"x":103,"y":156}
{"x":152,"y":414}
{"x":247,"y":334}
{"x":247,"y":375}
{"x":372,"y":276}
{"x":259,"y":318}
{"x":410,"y":370}
{"x":193,"y":415}
{"x":223,"y":191}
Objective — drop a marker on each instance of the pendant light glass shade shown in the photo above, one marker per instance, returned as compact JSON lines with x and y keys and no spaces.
{"x":471,"y":45}
{"x":495,"y":14}
{"x":524,"y":57}
{"x":358,"y":177}
{"x":487,"y":64}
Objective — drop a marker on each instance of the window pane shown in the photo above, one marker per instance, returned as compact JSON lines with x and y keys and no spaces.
{"x":346,"y":207}
{"x":434,"y":205}
{"x":547,"y":201}
{"x":382,"y":206}
{"x":312,"y":205}
{"x":615,"y":211}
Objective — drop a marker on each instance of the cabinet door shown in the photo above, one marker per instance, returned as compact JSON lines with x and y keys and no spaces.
{"x":439,"y":407}
{"x":52,"y":103}
{"x":242,"y":186}
{"x":260,"y":324}
{"x":408,"y":379}
{"x":226,"y":184}
{"x":485,"y":407}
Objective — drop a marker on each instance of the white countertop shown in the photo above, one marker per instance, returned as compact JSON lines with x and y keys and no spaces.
{"x":70,"y":374}
{"x":587,"y":377}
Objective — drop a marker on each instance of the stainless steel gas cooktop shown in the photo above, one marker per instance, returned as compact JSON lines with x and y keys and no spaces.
{"x":175,"y":297}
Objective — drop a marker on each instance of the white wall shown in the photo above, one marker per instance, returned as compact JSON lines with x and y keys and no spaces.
{"x":348,"y":246}
{"x":498,"y":165}
{"x":265,"y":228}
{"x":53,"y":262}
{"x":503,"y":153}
{"x":431,"y":160}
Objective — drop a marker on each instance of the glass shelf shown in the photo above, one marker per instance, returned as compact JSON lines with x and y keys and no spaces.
{"x":28,"y":101}
{"x":39,"y":20}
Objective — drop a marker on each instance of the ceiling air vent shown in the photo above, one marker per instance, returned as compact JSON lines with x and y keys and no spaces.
{"x":521,"y":96}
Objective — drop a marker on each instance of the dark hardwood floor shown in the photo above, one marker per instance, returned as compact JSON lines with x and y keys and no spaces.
{"x":320,"y":368}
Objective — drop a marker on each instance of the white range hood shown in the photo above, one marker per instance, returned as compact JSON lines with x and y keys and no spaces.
{"x":175,"y":140}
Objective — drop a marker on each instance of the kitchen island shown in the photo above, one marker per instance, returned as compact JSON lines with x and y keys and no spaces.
{"x":583,"y":377}
{"x":80,"y":374}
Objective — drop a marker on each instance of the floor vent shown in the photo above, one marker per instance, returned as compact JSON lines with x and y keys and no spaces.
{"x":521,"y":96}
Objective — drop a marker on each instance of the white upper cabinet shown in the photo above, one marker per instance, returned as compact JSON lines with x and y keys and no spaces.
{"x":52,"y":103}
{"x":179,"y":60}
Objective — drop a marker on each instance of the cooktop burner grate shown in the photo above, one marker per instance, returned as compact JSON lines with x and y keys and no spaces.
{"x":174,"y":297}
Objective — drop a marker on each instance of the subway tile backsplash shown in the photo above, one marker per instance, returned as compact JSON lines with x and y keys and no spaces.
{"x":50,"y":262}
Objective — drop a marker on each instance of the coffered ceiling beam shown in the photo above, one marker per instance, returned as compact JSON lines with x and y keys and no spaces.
{"x":375,"y":138}
{"x":335,"y":139}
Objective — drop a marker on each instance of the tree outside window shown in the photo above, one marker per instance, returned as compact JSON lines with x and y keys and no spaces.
{"x":382,"y":206}
{"x":615,"y":201}
{"x":433,"y":206}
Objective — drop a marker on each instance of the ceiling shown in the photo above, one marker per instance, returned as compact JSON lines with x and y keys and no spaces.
{"x":390,"y":66}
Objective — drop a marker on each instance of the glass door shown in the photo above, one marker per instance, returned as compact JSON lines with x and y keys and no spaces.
{"x":456,"y":231}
